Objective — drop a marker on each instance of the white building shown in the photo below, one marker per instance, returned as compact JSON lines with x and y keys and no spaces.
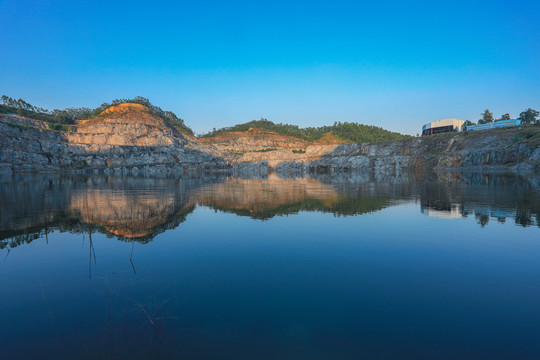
{"x":441,"y":126}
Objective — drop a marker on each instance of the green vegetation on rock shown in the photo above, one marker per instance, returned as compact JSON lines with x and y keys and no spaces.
{"x":353,"y":132}
{"x":57,"y":119}
{"x":264,"y":150}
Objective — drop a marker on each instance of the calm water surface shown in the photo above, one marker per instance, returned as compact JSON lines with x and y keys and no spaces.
{"x":328,"y":267}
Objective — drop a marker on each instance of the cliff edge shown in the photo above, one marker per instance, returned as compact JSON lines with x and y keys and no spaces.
{"x":131,"y":138}
{"x":125,"y":138}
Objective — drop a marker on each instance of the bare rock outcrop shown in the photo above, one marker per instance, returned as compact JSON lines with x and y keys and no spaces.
{"x":503,"y":149}
{"x":130,"y":139}
{"x":126,"y":138}
{"x":126,"y":125}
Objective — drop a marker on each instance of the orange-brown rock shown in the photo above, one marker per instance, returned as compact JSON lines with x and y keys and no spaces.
{"x":124,"y":214}
{"x":129,"y":138}
{"x":252,"y":140}
{"x":126,"y":125}
{"x":256,"y":195}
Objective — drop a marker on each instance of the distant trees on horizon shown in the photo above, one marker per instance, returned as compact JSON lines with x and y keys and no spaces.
{"x":529,"y":116}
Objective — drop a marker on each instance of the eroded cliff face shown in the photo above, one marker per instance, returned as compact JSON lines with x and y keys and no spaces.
{"x":126,"y":138}
{"x":261,"y":145}
{"x":129,"y":139}
{"x":252,"y":140}
{"x":125,"y":125}
{"x":504,"y":149}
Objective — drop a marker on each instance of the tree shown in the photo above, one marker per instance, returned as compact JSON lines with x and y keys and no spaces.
{"x":529,"y":116}
{"x":487,"y":117}
{"x":505,"y":116}
{"x":62,"y":117}
{"x":8,"y":101}
{"x":467,"y":124}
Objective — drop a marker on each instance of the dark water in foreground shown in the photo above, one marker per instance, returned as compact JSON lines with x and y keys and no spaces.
{"x":341,"y":267}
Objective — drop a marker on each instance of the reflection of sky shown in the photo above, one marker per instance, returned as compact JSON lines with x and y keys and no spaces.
{"x":392,"y":277}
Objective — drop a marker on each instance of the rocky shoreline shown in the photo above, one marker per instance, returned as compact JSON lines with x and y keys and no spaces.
{"x":28,"y":146}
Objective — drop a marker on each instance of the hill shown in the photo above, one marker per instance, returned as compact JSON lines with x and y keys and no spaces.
{"x":344,"y":132}
{"x":126,"y":124}
{"x":62,"y":119}
{"x":117,"y":138}
{"x":168,"y":117}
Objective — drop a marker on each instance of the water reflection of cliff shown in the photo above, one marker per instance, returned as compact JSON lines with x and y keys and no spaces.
{"x":128,"y":208}
{"x":272,"y":196}
{"x":134,"y":214}
{"x":138,"y":209}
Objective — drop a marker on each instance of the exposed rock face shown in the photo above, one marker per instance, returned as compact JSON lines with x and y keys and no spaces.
{"x":129,"y":139}
{"x":252,"y":140}
{"x":260,"y":140}
{"x":496,"y":150}
{"x":126,"y":125}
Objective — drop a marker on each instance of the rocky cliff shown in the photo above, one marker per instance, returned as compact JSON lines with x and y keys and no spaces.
{"x":124,"y":139}
{"x":126,"y":125}
{"x":128,"y":138}
{"x":491,"y":150}
{"x":501,"y":149}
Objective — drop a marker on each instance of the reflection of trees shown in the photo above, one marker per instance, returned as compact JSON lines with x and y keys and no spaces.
{"x":342,"y":207}
{"x":525,"y":218}
{"x":482,"y":219}
{"x":138,"y":209}
{"x":485,"y":196}
{"x":274,"y":196}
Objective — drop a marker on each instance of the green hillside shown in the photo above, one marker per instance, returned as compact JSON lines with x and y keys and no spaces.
{"x":353,"y":132}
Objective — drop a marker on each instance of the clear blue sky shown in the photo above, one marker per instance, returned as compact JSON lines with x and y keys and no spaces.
{"x":392,"y":64}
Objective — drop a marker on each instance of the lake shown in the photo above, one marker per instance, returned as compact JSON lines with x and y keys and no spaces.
{"x":331,"y":266}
